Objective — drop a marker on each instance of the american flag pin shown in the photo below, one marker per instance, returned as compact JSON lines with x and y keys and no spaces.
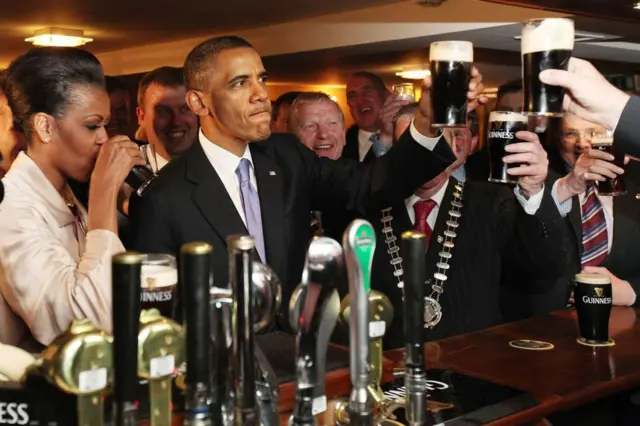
{"x":272,"y":173}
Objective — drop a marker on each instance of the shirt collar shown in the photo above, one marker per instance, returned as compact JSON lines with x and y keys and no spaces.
{"x":25,"y":176}
{"x":223,"y":161}
{"x":437,"y":197}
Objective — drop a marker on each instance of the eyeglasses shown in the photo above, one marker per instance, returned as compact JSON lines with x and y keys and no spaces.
{"x":578,"y":135}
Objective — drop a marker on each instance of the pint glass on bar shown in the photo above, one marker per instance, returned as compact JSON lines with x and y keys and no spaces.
{"x":546,"y":44}
{"x":450,"y":63}
{"x":159,"y":281}
{"x":503,"y":126}
{"x":602,"y":140}
{"x":593,"y":299}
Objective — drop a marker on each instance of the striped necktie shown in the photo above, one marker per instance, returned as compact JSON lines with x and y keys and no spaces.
{"x":595,"y":242}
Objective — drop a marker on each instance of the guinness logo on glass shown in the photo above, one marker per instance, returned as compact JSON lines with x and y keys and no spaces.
{"x":599,"y":291}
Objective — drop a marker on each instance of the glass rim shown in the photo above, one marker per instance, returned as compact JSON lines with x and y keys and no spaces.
{"x":403,"y":84}
{"x":452,"y":42}
{"x":158,"y":259}
{"x":557,"y":18}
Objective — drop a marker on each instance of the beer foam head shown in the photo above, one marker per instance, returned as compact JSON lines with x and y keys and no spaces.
{"x":459,"y":51}
{"x":541,"y":35}
{"x":153,"y":276}
{"x":507,"y":116}
{"x":595,"y":279}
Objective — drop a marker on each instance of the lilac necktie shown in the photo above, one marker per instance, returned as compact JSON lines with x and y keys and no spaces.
{"x":251,"y":207}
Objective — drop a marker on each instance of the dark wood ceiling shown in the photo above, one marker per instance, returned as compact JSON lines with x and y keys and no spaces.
{"x":607,"y":9}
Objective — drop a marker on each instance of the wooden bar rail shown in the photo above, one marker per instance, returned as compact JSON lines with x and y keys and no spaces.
{"x":568,"y":376}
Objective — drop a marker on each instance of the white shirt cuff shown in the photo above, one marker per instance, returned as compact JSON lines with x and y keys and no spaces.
{"x":427,"y":142}
{"x":531,"y":205}
{"x":563,"y":208}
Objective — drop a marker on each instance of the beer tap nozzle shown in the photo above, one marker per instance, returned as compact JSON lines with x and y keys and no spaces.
{"x":359,"y":242}
{"x":314,"y":315}
{"x":415,"y":275}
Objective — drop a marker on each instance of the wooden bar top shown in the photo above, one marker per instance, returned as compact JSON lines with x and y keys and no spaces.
{"x":564,"y":377}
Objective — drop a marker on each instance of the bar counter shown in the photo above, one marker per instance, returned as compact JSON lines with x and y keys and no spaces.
{"x":567,"y":376}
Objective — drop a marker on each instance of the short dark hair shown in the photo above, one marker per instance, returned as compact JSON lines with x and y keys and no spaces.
{"x":198,"y":62}
{"x":43,"y":79}
{"x":163,"y":76}
{"x":284,"y":99}
{"x":114,"y":84}
{"x":512,"y":86}
{"x":374,"y":78}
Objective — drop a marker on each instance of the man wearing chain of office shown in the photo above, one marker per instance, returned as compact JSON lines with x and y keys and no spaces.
{"x":475,"y":231}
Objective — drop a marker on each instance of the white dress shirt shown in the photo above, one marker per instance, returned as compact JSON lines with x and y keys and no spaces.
{"x":364,"y":143}
{"x":51,"y":270}
{"x":225,"y":164}
{"x":433,"y":215}
{"x":607,"y":207}
{"x":160,"y":161}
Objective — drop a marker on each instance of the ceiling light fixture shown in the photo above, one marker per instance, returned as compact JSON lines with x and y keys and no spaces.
{"x":59,"y":37}
{"x":636,"y":5}
{"x":413,"y":74}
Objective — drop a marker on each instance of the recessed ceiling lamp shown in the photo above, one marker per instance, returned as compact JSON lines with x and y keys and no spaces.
{"x":636,"y":5}
{"x":59,"y":37}
{"x":414,"y":74}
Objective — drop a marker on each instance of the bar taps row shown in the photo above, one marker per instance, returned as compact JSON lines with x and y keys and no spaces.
{"x":228,"y":380}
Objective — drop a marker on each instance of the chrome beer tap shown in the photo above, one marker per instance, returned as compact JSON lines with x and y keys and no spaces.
{"x":359,"y":242}
{"x":314,"y":312}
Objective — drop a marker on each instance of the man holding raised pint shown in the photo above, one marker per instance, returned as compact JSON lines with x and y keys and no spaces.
{"x":238,"y":178}
{"x":478,"y":233}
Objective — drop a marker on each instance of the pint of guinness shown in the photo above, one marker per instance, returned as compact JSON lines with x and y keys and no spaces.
{"x":593,"y":298}
{"x":450,"y":65}
{"x":159,"y":280}
{"x":602,"y":140}
{"x":503,"y":126}
{"x":546,"y":44}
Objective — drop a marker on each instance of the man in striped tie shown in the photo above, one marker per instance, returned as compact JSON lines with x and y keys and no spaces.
{"x":607,"y":228}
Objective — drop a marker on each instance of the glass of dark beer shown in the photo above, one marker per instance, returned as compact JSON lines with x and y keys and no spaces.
{"x":546,"y":44}
{"x":450,"y":63}
{"x":503,"y":126}
{"x":159,"y":282}
{"x":593,"y":299}
{"x":602,"y":140}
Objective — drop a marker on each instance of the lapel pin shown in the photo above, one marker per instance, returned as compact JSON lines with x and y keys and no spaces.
{"x":272,"y":173}
{"x":440,"y":239}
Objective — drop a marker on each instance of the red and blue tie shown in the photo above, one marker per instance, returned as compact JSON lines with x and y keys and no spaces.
{"x":594,"y":230}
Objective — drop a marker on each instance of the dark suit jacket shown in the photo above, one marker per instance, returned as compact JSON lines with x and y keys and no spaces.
{"x":626,"y":135}
{"x":188,"y":202}
{"x":352,"y":150}
{"x":494,"y":233}
{"x":621,"y":261}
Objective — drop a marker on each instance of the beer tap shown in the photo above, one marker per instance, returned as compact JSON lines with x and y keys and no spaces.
{"x":315,"y":312}
{"x":243,"y":355}
{"x":196,"y":279}
{"x":160,"y":350}
{"x":380,"y":318}
{"x":221,"y":337}
{"x":415,"y":275}
{"x":80,"y":362}
{"x":125,"y":278}
{"x":359,"y":243}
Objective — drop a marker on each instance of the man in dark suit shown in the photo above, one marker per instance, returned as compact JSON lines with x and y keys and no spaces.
{"x":474,"y":231}
{"x":372,"y":107}
{"x":605,"y":242}
{"x":239,"y":179}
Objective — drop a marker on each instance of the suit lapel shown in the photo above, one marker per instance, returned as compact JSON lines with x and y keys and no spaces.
{"x":270,"y":189}
{"x":211,"y":196}
{"x":575,"y":218}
